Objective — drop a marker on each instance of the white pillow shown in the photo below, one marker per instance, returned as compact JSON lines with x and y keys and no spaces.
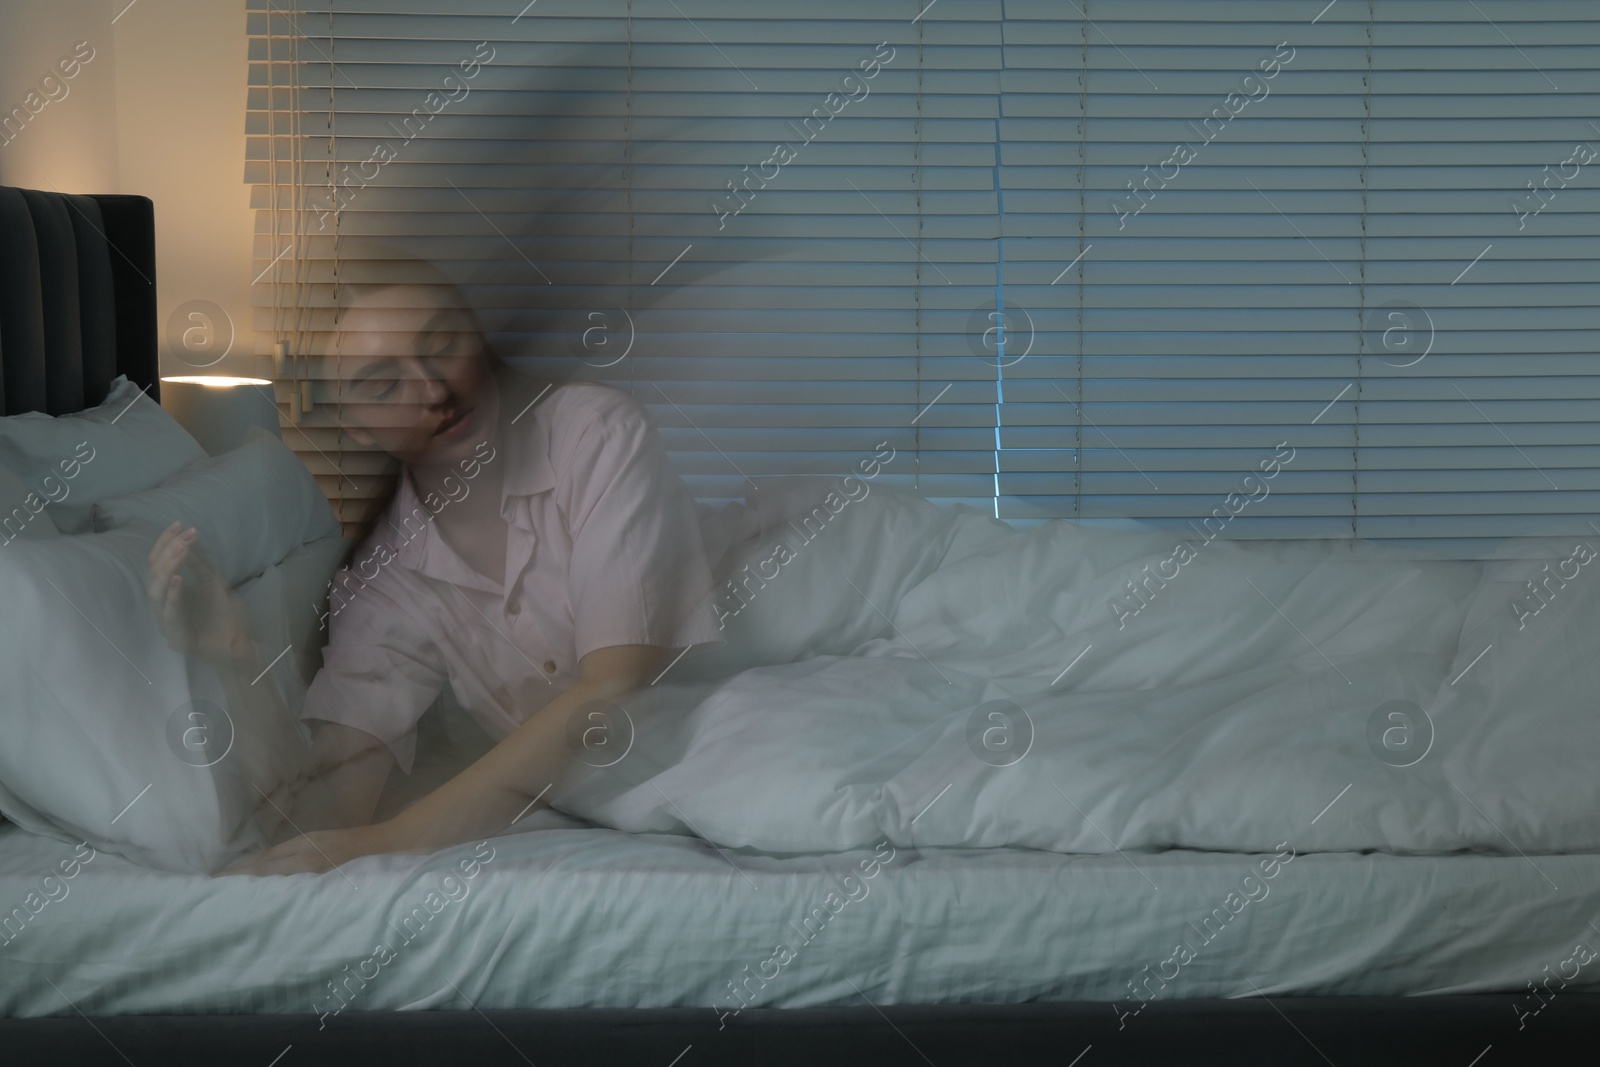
{"x":23,"y":511}
{"x":286,"y":604}
{"x":125,"y":445}
{"x":96,"y":708}
{"x":253,"y":505}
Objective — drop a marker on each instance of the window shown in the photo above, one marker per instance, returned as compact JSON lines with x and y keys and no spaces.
{"x":1084,"y":259}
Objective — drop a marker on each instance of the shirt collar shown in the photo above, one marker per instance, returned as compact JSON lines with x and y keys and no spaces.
{"x":524,"y":438}
{"x":523,"y":447}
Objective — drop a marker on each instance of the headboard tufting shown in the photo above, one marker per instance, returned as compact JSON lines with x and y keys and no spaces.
{"x":77,"y":299}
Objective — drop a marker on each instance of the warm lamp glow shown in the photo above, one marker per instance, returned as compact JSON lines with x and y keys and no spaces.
{"x":215,"y":381}
{"x":219,"y":410}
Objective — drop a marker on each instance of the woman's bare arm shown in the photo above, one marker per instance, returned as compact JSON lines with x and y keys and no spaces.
{"x":340,"y":779}
{"x":485,"y":798}
{"x":488,"y":796}
{"x":337,"y":781}
{"x":347,"y":770}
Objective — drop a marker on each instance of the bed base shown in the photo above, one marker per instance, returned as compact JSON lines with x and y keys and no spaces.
{"x":1464,"y":1031}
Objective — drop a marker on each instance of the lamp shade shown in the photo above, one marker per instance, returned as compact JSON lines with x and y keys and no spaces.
{"x":218,"y":411}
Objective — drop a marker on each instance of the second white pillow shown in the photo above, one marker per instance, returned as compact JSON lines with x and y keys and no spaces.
{"x":252,"y":505}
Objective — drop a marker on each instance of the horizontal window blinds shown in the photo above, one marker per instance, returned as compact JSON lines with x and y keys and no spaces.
{"x":1070,"y":259}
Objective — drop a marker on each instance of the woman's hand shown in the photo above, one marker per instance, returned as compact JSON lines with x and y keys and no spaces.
{"x":207,"y":622}
{"x":318,"y":851}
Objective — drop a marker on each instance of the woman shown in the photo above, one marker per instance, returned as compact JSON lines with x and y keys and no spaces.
{"x":536,"y":553}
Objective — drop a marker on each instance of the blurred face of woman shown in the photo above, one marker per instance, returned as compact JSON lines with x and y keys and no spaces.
{"x":415,"y":377}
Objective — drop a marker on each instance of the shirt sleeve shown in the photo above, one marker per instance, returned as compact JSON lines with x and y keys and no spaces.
{"x":639,"y":573}
{"x":380,"y":670}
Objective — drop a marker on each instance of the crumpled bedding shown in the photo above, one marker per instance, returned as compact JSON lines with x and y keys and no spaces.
{"x":929,"y":676}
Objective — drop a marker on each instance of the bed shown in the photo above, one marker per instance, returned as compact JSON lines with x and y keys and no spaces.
{"x":563,"y":942}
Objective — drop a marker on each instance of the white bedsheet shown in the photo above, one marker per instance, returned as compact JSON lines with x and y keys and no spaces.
{"x":585,"y":917}
{"x":1249,"y":691}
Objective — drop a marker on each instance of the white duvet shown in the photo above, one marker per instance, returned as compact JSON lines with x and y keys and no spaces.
{"x":931,"y":677}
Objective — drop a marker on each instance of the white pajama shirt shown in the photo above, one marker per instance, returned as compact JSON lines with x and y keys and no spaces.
{"x":603,"y":548}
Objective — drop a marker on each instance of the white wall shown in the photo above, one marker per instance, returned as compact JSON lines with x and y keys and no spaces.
{"x":71,"y":144}
{"x":159,"y":111}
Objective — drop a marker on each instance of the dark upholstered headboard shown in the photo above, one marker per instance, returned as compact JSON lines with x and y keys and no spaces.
{"x":77,"y":299}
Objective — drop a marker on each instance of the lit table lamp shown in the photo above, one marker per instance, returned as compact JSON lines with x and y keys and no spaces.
{"x":218,"y":410}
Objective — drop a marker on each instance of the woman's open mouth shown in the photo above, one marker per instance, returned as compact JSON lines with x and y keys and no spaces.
{"x":456,"y":424}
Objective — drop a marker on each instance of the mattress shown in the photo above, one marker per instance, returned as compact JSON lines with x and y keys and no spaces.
{"x":562,"y":915}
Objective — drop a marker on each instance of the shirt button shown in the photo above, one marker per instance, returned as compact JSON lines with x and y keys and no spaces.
{"x":514,"y":610}
{"x":549,"y":666}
